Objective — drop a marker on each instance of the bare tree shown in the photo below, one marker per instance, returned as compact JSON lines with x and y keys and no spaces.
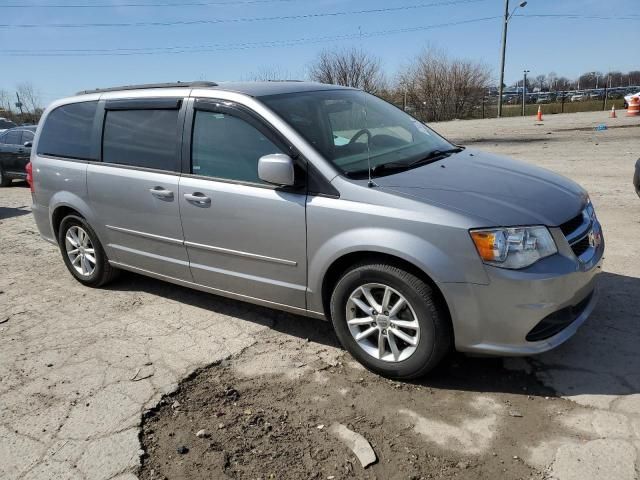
{"x":441,"y":88}
{"x":590,"y":80}
{"x":552,"y":78}
{"x":563,"y":83}
{"x":614,"y":79}
{"x":633,"y":77}
{"x":350,"y":68}
{"x":5,"y":102}
{"x":541,"y":82}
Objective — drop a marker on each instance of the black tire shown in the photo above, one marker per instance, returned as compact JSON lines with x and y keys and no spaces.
{"x":4,"y":180}
{"x":435,"y":328}
{"x":103,"y":272}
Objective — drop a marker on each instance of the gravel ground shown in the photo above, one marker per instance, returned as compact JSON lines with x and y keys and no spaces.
{"x":80,"y":367}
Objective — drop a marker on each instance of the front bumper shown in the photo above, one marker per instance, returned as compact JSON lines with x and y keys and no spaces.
{"x":495,"y":319}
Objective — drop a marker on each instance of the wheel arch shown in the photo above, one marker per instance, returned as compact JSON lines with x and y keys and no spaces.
{"x":343,"y":263}
{"x":67,"y":204}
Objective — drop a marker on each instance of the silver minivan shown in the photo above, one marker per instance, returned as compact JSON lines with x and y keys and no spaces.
{"x":322,"y":201}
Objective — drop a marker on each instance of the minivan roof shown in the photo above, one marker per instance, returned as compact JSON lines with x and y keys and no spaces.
{"x":253,"y":89}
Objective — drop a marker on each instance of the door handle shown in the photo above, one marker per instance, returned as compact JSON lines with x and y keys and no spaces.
{"x":160,"y":192}
{"x":197,"y":198}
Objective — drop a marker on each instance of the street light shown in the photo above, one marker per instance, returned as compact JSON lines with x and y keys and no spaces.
{"x":524,"y":92}
{"x":507,"y":17}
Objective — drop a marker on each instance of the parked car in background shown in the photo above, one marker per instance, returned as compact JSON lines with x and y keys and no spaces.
{"x":578,"y":97}
{"x":15,"y":150}
{"x":324,"y":201}
{"x":543,"y":98}
{"x":6,"y":124}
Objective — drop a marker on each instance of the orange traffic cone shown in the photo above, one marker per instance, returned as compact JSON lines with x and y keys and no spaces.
{"x":539,"y":117}
{"x":633,"y":109}
{"x":613,"y":112}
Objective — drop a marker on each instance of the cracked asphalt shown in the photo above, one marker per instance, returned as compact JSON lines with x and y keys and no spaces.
{"x":78,"y":366}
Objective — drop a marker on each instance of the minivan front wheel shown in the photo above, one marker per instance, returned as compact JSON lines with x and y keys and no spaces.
{"x":82,"y":252}
{"x":390,"y":320}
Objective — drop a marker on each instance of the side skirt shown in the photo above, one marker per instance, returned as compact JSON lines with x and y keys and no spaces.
{"x":223,"y":293}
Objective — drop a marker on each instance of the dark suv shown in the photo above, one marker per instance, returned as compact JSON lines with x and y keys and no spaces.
{"x":15,"y":150}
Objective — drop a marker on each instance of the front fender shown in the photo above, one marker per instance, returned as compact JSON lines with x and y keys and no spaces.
{"x":441,"y":266}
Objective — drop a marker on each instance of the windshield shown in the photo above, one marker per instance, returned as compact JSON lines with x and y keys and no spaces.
{"x":355,"y":130}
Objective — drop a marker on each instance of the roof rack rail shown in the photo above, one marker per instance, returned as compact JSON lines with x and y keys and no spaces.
{"x":283,"y":80}
{"x":198,"y":84}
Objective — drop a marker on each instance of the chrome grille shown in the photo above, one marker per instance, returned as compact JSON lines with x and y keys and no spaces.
{"x":578,"y":230}
{"x":573,"y":224}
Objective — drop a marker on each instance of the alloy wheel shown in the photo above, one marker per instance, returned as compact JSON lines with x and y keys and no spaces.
{"x":382,"y":322}
{"x":80,"y":250}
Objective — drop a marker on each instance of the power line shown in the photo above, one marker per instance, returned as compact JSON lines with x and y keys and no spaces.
{"x":137,"y":5}
{"x":578,"y":16}
{"x":174,"y":23}
{"x":227,"y":46}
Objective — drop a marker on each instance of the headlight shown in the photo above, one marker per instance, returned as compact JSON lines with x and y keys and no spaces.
{"x":516,"y":247}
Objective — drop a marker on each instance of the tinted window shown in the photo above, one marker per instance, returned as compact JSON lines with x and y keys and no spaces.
{"x":27,"y":136}
{"x":227,"y":147}
{"x":13,"y":137}
{"x":142,"y":138}
{"x":67,"y":131}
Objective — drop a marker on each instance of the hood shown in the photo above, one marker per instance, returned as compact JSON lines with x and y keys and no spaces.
{"x":501,"y":191}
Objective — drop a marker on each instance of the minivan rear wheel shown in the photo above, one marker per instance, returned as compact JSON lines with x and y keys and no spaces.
{"x":390,"y":320}
{"x":82,"y":252}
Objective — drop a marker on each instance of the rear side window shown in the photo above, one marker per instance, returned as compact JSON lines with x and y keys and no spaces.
{"x":13,"y":137}
{"x":225,"y":146}
{"x":27,"y":136}
{"x":67,"y":131}
{"x":141,"y":138}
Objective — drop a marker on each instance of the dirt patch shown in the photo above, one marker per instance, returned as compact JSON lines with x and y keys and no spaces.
{"x":277,"y":425}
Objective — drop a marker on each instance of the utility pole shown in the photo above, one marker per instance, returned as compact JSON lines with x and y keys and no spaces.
{"x":504,"y":52}
{"x":507,"y":17}
{"x":604,"y":100}
{"x":19,"y":103}
{"x":524,"y":92}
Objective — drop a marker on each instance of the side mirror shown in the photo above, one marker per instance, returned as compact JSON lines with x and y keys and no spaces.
{"x":28,"y":144}
{"x":276,"y":168}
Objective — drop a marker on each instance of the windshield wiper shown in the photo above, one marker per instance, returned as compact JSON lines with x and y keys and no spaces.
{"x":432,"y":156}
{"x":390,"y":167}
